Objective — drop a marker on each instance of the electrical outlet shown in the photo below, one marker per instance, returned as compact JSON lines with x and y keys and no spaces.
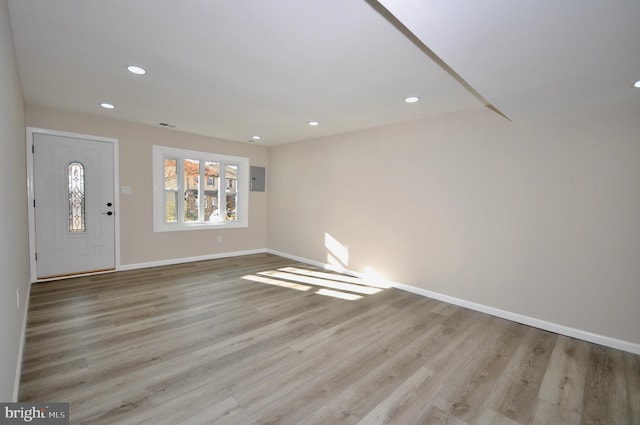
{"x":219,"y":238}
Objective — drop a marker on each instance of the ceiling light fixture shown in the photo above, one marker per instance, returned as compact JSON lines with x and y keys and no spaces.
{"x":255,"y":137}
{"x":637,"y":84}
{"x":313,"y":123}
{"x":136,"y":69}
{"x":411,"y":99}
{"x":106,"y":105}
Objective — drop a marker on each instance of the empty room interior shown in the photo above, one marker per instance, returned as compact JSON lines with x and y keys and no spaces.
{"x":325,"y":211}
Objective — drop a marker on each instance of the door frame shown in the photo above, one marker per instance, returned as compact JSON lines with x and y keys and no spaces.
{"x":31,"y":196}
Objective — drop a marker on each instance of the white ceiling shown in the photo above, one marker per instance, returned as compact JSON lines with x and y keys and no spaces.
{"x":237,"y":68}
{"x":530,"y":57}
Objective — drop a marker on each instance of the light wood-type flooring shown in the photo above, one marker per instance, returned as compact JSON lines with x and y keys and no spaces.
{"x":260,"y":339}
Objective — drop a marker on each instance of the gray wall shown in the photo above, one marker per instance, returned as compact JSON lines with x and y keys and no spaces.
{"x":14,"y":254}
{"x":139,"y":245}
{"x":538,"y":218}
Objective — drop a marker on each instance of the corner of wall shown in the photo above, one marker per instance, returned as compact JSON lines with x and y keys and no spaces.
{"x":14,"y":253}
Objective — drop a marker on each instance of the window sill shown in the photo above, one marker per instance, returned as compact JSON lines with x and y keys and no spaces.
{"x":198,"y":226}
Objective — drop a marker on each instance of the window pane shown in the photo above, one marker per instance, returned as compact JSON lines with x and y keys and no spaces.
{"x":231,"y":174}
{"x":75,"y":172}
{"x":170,"y":190}
{"x":195,"y":190}
{"x":171,"y":206}
{"x":191,"y":189}
{"x":211,"y":205}
{"x":170,"y":174}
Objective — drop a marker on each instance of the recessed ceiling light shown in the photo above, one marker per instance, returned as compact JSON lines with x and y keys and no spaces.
{"x":637,"y":84}
{"x":106,"y":105}
{"x":136,"y":69}
{"x":313,"y":123}
{"x":411,"y":99}
{"x":255,"y":137}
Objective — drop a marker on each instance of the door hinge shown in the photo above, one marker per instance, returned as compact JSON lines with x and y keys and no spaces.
{"x":36,"y":256}
{"x":33,"y":149}
{"x":34,"y":203}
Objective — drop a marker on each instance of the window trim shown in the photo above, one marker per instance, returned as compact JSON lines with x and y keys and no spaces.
{"x":160,"y":153}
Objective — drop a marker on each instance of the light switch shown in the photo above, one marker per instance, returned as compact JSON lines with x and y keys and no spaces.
{"x":125,"y":190}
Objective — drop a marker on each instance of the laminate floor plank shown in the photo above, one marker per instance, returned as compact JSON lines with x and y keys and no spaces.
{"x":632,"y":374}
{"x":173,"y":376}
{"x":516,"y":391}
{"x":545,"y":412}
{"x":605,"y":393}
{"x":465,"y":394}
{"x":258,"y":340}
{"x":348,"y":405}
{"x":564,"y":380}
{"x":344,"y":359}
{"x":435,"y":416}
{"x":344,"y":369}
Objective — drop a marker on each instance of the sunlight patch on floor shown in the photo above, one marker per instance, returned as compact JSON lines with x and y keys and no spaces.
{"x":277,"y":282}
{"x":375,"y":281}
{"x":338,"y":294}
{"x":328,"y":283}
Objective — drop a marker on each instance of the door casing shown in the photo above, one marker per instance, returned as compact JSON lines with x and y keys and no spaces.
{"x":31,"y":194}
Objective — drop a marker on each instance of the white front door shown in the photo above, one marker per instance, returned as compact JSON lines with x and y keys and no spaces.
{"x":74,"y":197}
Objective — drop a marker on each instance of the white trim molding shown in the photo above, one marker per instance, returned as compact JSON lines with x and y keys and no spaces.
{"x":23,"y":336}
{"x":628,"y":346}
{"x":525,"y":320}
{"x":173,"y":261}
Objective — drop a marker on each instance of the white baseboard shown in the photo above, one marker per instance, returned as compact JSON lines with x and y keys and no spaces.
{"x":173,"y":261}
{"x":526,"y":320}
{"x":23,"y":336}
{"x":504,"y":314}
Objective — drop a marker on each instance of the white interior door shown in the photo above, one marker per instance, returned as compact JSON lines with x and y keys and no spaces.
{"x":74,"y":198}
